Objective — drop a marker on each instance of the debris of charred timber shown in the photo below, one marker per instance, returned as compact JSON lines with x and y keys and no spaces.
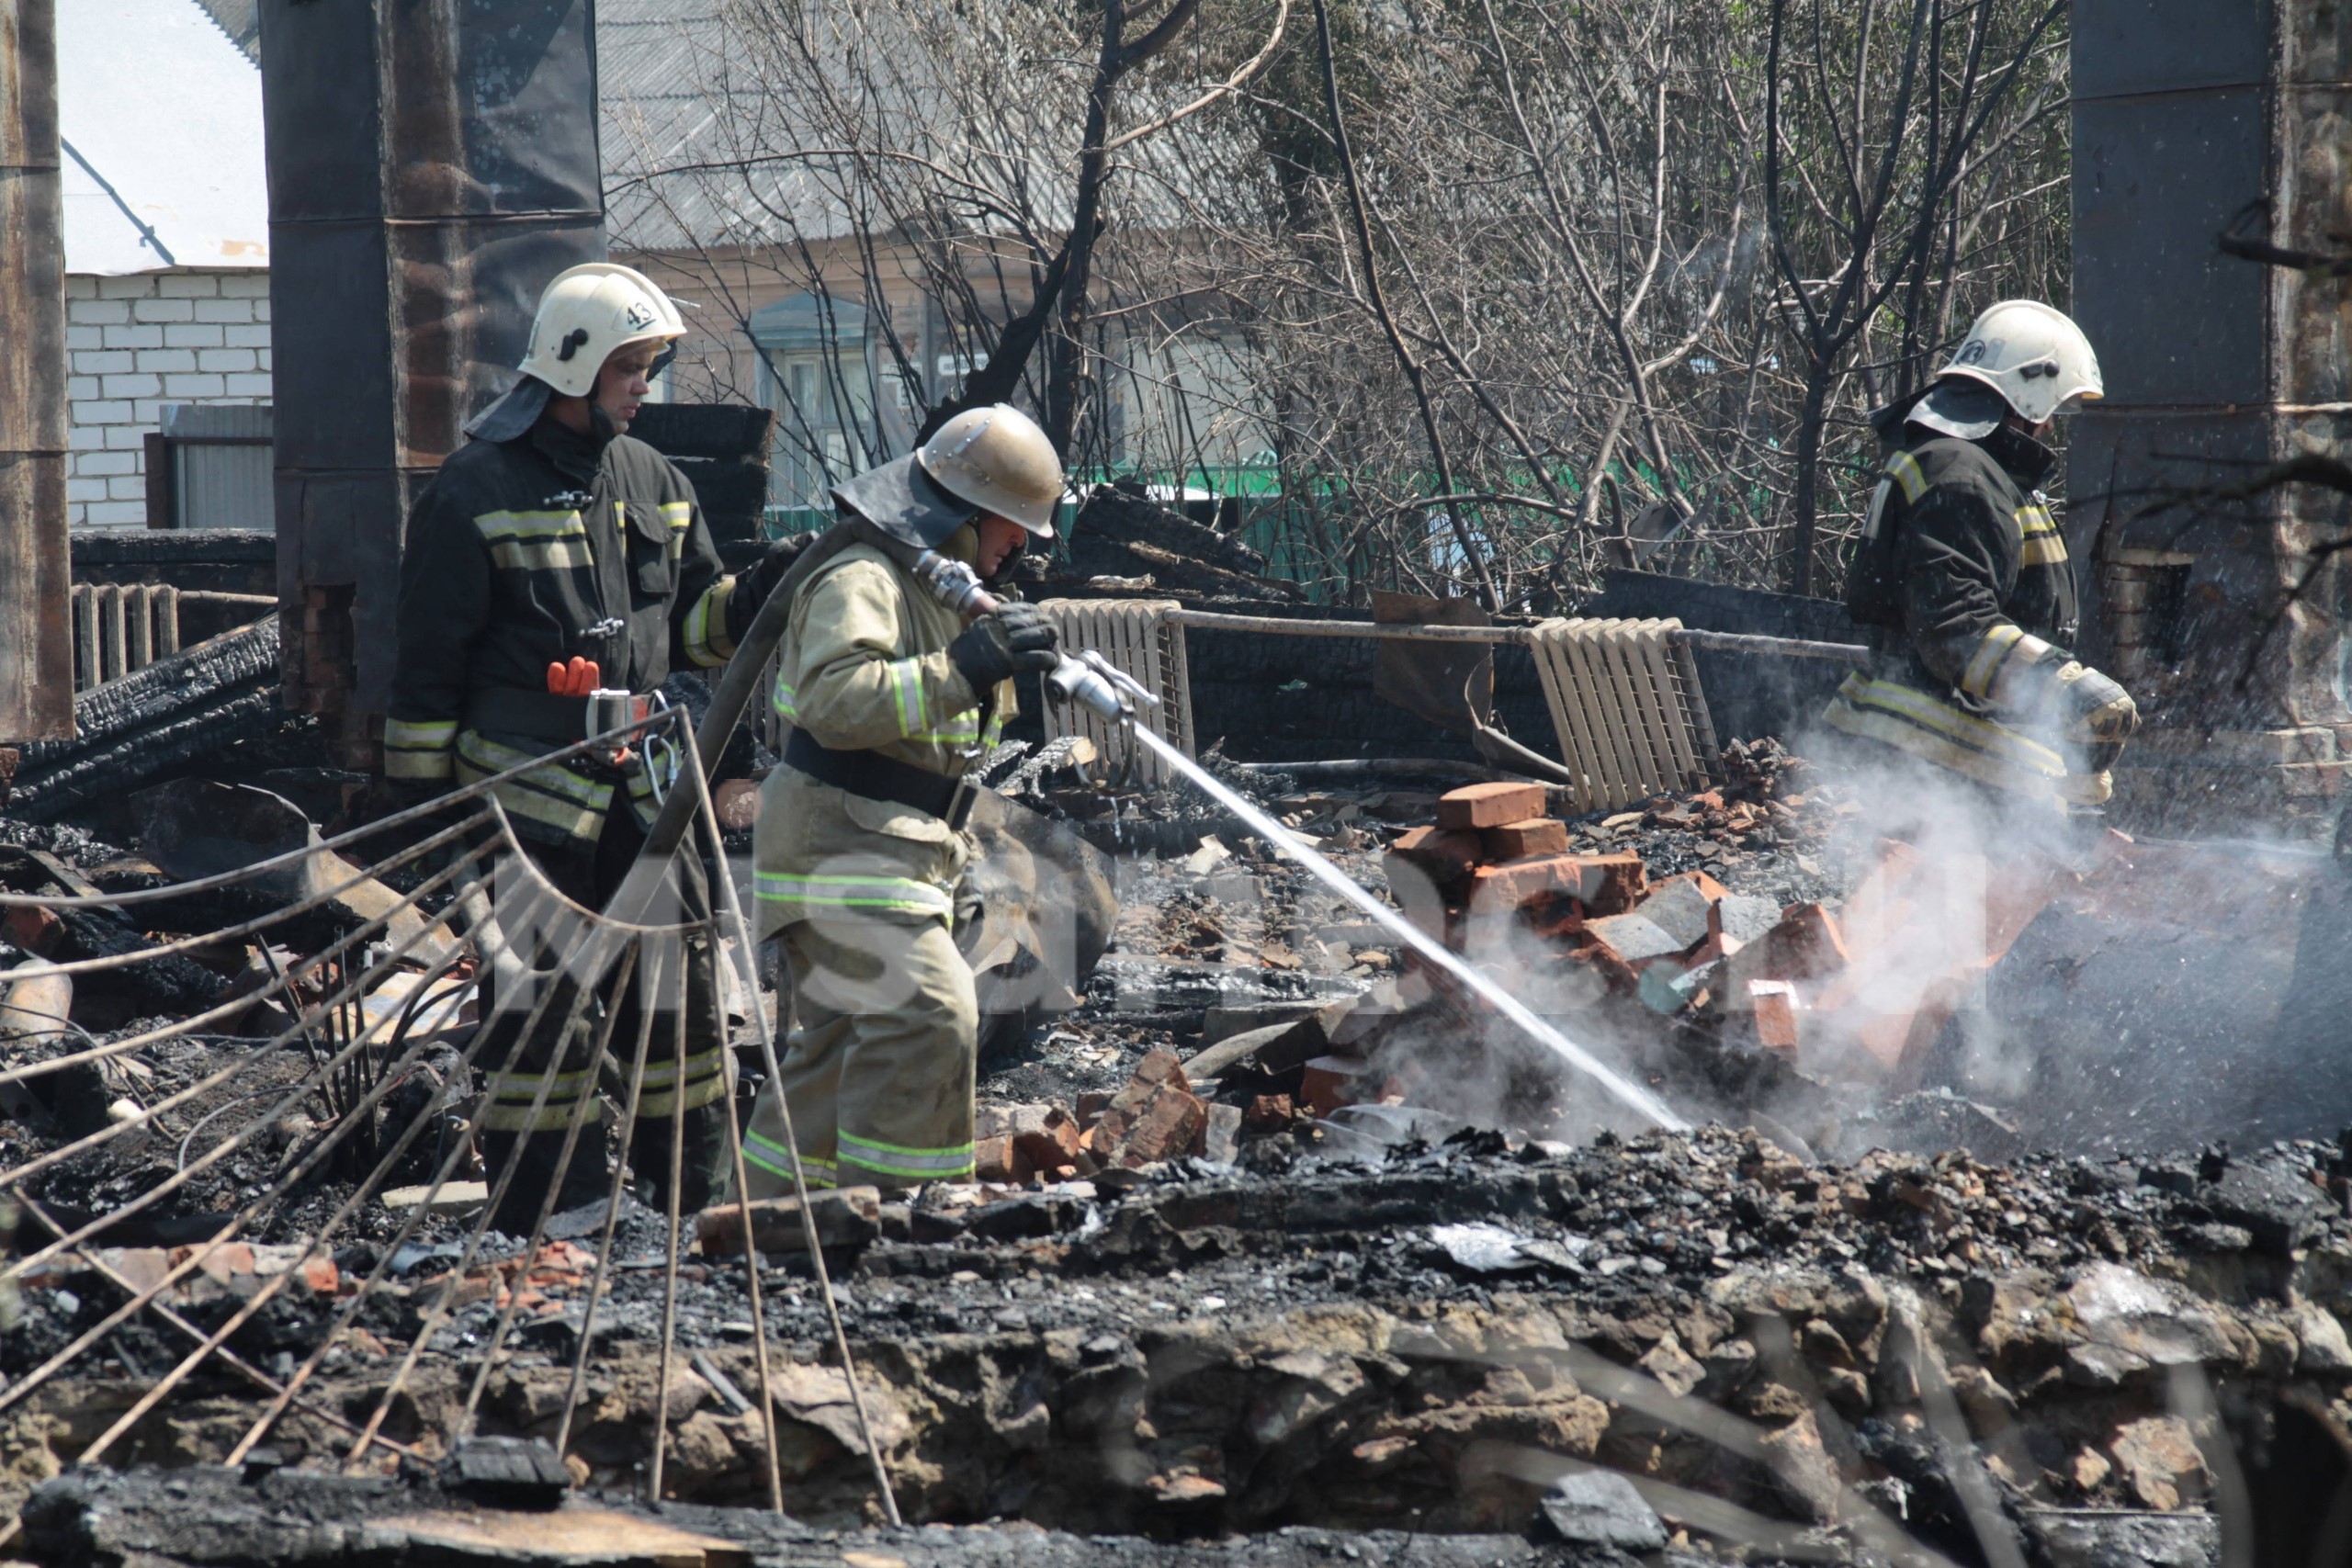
{"x":158,"y":720}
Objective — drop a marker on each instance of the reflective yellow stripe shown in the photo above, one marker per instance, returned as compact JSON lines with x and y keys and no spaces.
{"x":906,"y":687}
{"x":640,"y":775}
{"x":777,"y":1160}
{"x":954,"y":730}
{"x":418,"y":749}
{"x":552,"y":556}
{"x":512,"y":1094}
{"x":900,"y":894}
{"x":420,"y":734}
{"x":706,"y":635}
{"x":680,"y":516}
{"x":522,"y":1084}
{"x":496,"y":758}
{"x":496,"y":525}
{"x":695,"y":1096}
{"x":913,"y":1164}
{"x":532,"y":541}
{"x":549,"y":796}
{"x":698,"y":1066}
{"x":1912,"y":721}
{"x":1985,"y":664}
{"x":2043,"y":543}
{"x":1903,"y":469}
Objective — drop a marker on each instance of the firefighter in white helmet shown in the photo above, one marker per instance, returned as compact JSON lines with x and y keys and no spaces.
{"x":1962,"y":581}
{"x":550,"y":555}
{"x":862,"y":851}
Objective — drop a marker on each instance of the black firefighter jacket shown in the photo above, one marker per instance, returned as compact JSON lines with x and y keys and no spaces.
{"x":525,"y":553}
{"x":1959,"y":555}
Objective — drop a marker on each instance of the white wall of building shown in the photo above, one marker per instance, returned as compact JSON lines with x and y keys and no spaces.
{"x":138,"y":341}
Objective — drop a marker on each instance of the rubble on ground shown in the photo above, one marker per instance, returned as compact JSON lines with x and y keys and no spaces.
{"x":1278,"y":1236}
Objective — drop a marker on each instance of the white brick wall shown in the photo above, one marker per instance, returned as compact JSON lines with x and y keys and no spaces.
{"x":135,"y":344}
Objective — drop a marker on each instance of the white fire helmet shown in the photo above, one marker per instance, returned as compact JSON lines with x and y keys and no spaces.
{"x":586,"y":314}
{"x":2035,"y":357}
{"x":997,"y":459}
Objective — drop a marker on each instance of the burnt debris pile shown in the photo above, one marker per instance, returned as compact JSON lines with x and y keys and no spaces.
{"x":1281,"y":1240}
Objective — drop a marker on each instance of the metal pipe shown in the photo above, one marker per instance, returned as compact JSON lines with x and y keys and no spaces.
{"x":35,"y":563}
{"x":1384,"y":631}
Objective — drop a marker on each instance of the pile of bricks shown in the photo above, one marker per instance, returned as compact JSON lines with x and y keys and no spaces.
{"x":1493,"y":860}
{"x":1493,"y":879}
{"x":1155,"y":1117}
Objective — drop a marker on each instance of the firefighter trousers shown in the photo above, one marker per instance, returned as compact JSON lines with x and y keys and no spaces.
{"x":878,"y":1071}
{"x":550,"y":952}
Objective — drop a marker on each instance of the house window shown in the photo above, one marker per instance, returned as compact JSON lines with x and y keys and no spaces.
{"x":814,"y":372}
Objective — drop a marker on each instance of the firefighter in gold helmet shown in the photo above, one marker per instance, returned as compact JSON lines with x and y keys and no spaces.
{"x":550,"y":555}
{"x":1963,"y":579}
{"x":861,"y":846}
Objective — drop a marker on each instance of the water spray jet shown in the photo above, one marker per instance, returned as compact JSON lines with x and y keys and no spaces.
{"x":1092,"y":682}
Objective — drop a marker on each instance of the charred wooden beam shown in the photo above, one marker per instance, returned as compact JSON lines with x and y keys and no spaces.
{"x":176,"y":709}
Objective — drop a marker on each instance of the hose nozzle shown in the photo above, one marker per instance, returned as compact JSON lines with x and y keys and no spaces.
{"x":1094,"y":682}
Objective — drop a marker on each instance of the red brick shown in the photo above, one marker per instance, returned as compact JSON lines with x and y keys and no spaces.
{"x":1159,"y":1070}
{"x":1161,"y":1066}
{"x":1775,"y":1004}
{"x":1602,"y":885}
{"x":1047,"y":1138}
{"x":1269,"y":1113}
{"x":1444,"y":854}
{"x":1613,"y":973}
{"x":999,"y":1159}
{"x":1489,"y":804}
{"x":1090,"y":1106}
{"x":1331,"y":1082}
{"x":1501,"y":888}
{"x":1610,"y":885}
{"x":1171,"y":1124}
{"x":1517,"y":840}
{"x":1805,"y":945}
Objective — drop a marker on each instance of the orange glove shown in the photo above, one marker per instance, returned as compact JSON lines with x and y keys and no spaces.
{"x":576,"y":679}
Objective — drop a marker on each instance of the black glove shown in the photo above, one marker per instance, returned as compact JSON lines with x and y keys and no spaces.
{"x":1010,"y":637}
{"x":753,"y":586}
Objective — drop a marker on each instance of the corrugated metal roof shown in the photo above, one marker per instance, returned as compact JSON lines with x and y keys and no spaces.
{"x":160,"y":118}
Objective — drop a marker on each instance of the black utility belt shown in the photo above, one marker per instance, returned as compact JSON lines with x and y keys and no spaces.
{"x":877,"y":777}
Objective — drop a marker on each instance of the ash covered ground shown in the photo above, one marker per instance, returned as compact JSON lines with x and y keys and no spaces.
{"x":1817,"y":1328}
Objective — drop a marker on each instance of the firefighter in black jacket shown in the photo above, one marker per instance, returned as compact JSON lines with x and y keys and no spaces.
{"x":1962,"y":581}
{"x":550,"y":555}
